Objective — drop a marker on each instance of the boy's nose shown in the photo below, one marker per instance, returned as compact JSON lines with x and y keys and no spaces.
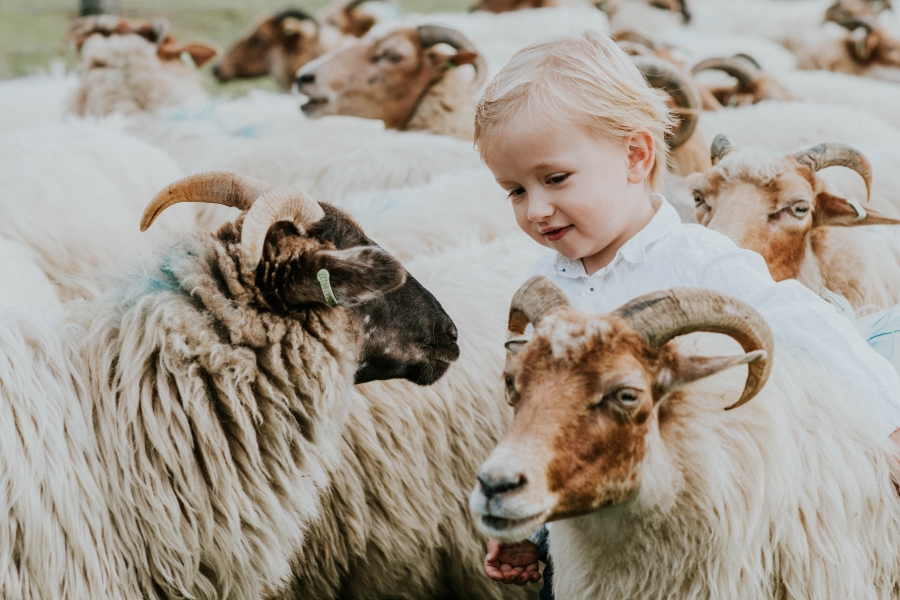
{"x":539,"y":210}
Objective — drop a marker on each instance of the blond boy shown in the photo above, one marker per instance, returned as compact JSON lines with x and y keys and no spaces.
{"x":575,"y":135}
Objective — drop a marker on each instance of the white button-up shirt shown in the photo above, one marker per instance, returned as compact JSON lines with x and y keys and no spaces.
{"x":667,"y":253}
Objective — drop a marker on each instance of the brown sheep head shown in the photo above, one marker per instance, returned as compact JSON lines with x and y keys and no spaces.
{"x":296,"y":257}
{"x":279,"y":45}
{"x":586,"y":391}
{"x":772,"y":204}
{"x":385,"y":76}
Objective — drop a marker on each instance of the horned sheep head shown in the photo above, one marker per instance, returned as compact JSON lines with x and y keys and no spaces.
{"x":587,"y":390}
{"x":772,"y":203}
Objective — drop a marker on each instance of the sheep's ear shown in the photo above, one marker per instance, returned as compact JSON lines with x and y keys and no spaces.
{"x":441,"y":61}
{"x":292,"y":26}
{"x":199,"y":53}
{"x":685,"y":369}
{"x":344,"y":277}
{"x":834,"y":211}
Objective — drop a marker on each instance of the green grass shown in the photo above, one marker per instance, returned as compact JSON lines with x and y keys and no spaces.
{"x":31,"y":31}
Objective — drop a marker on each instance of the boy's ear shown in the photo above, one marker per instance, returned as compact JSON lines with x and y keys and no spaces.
{"x":641,"y":155}
{"x":354,"y":276}
{"x":834,"y":211}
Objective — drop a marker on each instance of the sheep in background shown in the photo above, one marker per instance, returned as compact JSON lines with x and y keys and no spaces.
{"x":401,"y":78}
{"x":214,"y":382}
{"x":131,"y":66}
{"x":856,"y":47}
{"x":776,"y":205}
{"x":879,"y":98}
{"x":283,"y":42}
{"x":668,"y":495}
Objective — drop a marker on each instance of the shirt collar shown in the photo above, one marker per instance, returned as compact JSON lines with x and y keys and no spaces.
{"x":663,"y":222}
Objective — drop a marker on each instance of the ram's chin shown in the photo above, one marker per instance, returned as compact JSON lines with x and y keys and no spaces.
{"x":509,"y":530}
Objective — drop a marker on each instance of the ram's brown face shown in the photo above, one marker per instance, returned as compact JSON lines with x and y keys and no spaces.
{"x":771,"y":216}
{"x":279,"y":46}
{"x":584,"y":394}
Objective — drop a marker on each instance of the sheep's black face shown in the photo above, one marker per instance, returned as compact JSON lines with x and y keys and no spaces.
{"x":407,"y":334}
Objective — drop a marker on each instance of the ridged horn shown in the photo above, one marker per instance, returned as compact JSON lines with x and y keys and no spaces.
{"x":856,"y":23}
{"x":429,"y":35}
{"x":661,"y":316}
{"x":680,"y":86}
{"x":228,"y":189}
{"x":837,"y":155}
{"x":720,"y":148}
{"x":161,"y":31}
{"x":532,"y":302}
{"x":629,"y":35}
{"x":739,"y":68}
{"x":283,"y":202}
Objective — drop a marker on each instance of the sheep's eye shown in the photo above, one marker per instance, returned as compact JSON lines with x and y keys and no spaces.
{"x":510,"y":382}
{"x":97,"y":64}
{"x":800,"y":209}
{"x":627,"y":397}
{"x":391,"y":57}
{"x":699,"y":202}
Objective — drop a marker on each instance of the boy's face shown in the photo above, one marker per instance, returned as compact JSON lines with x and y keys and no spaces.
{"x":569,"y":189}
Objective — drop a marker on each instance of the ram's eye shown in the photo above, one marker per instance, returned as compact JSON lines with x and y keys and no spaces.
{"x":627,"y":397}
{"x":510,"y":384}
{"x":800,"y":209}
{"x":699,"y":201}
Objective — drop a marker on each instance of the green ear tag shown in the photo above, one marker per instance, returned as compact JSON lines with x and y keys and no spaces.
{"x":860,"y":211}
{"x":325,"y":281}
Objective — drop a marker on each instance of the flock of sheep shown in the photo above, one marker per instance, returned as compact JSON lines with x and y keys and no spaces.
{"x":182,"y":414}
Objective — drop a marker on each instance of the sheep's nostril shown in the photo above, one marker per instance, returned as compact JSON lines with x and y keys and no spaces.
{"x":305,"y":78}
{"x":495,"y":485}
{"x":451,"y":332}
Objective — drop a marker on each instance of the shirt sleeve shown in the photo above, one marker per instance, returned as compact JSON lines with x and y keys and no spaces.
{"x":805,"y":322}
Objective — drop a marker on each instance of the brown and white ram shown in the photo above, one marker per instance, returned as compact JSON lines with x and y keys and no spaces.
{"x":654,"y":491}
{"x":776,"y":205}
{"x":403,"y":77}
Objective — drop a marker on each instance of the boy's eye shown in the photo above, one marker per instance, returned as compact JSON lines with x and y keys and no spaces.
{"x":558,"y":178}
{"x":516,"y":192}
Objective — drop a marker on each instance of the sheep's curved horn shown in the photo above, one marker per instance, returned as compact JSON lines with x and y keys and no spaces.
{"x":629,"y":35}
{"x":228,"y":189}
{"x":662,"y":74}
{"x":661,"y":316}
{"x":429,"y":35}
{"x":856,"y":23}
{"x":739,"y":68}
{"x":532,"y":302}
{"x":161,"y":31}
{"x":837,"y":155}
{"x":633,"y":48}
{"x":721,"y":147}
{"x":282,"y":202}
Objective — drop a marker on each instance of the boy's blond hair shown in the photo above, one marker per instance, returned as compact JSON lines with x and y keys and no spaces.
{"x":584,"y":80}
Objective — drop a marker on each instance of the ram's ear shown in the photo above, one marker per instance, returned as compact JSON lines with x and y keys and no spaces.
{"x":199,"y":53}
{"x":686,"y":369}
{"x":344,"y":277}
{"x":834,"y":211}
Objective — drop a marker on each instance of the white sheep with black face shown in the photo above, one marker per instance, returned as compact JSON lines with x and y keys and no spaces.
{"x":194,"y":406}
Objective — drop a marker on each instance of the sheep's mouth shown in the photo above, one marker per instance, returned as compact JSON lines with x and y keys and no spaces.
{"x":511,"y":528}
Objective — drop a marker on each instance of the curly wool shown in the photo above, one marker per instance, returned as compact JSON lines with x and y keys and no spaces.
{"x":213,"y":421}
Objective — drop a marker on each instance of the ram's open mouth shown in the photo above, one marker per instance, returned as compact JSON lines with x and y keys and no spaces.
{"x":499,"y":524}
